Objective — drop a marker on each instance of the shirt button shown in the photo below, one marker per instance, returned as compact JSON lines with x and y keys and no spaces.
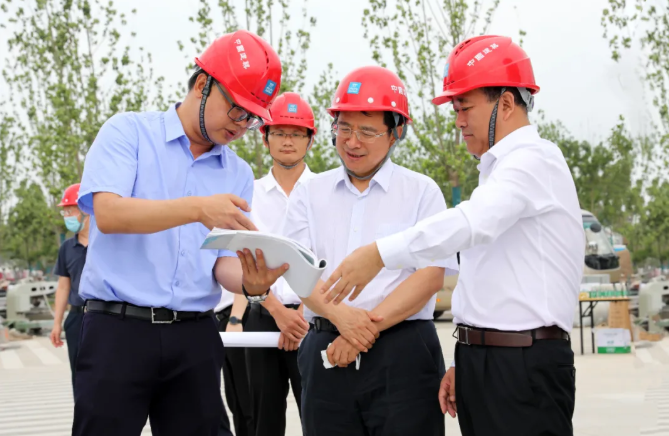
{"x":183,"y":252}
{"x":189,"y":193}
{"x":176,"y":283}
{"x":355,"y":230}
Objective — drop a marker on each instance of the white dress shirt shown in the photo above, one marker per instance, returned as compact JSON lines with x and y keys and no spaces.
{"x":520,"y":236}
{"x":331,"y":217}
{"x":267,"y":211}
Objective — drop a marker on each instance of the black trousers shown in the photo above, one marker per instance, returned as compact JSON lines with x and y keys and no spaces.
{"x":129,"y":369}
{"x":515,"y":391}
{"x":72,"y":327}
{"x":236,"y":381}
{"x":270,"y":372}
{"x":394,"y":393}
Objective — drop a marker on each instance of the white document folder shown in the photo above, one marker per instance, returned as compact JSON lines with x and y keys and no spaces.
{"x":305,"y":268}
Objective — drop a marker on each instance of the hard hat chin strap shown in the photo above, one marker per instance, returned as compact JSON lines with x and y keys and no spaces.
{"x":493,"y":121}
{"x":205,"y":93}
{"x":527,"y":98}
{"x":398,"y":139}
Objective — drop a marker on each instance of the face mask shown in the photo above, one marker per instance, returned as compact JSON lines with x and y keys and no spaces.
{"x":72,"y":223}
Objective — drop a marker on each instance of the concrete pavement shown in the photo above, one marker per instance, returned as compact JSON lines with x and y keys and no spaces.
{"x":617,"y":395}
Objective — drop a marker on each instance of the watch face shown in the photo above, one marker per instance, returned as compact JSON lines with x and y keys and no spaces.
{"x":234,"y":320}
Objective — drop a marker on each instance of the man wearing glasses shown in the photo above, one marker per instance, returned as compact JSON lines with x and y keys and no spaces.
{"x":288,"y":138}
{"x":154,"y":183}
{"x":372,"y":366}
{"x":69,"y":266}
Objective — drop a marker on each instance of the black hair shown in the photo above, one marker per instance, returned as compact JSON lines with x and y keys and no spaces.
{"x":492,"y":93}
{"x":194,"y":76}
{"x":388,"y":119}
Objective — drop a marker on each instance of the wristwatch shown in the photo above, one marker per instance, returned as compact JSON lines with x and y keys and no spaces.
{"x":234,"y":320}
{"x":255,"y":298}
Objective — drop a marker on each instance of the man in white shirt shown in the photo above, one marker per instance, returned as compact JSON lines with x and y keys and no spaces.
{"x":231,"y":313}
{"x":288,"y":138}
{"x":392,"y":388}
{"x":522,"y":250}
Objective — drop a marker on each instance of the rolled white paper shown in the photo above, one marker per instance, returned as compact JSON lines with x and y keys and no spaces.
{"x":250,"y":339}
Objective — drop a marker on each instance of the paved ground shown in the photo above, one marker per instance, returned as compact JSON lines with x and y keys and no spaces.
{"x":617,"y":395}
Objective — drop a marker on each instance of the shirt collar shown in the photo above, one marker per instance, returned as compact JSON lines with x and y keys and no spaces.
{"x":381,"y":178}
{"x":174,"y":130}
{"x":269,"y":182}
{"x":76,"y":240}
{"x":173,"y":127}
{"x":508,"y":144}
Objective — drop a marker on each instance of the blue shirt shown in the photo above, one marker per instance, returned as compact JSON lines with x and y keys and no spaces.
{"x":147,"y":155}
{"x":70,"y":263}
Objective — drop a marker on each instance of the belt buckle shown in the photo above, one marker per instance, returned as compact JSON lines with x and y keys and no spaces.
{"x":466,"y":329}
{"x":153,"y":318}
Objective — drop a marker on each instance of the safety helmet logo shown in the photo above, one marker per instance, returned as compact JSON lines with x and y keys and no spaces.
{"x":292,"y":108}
{"x":270,"y":86}
{"x":354,"y":88}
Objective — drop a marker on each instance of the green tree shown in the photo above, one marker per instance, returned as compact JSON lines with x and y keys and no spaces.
{"x":612,"y":179}
{"x":69,"y":68}
{"x":645,"y":22}
{"x":655,"y":221}
{"x":10,"y":147}
{"x":30,"y":237}
{"x":413,"y":38}
{"x":270,"y":20}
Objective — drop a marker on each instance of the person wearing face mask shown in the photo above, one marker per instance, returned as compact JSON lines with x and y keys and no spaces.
{"x":155,"y":184}
{"x":521,"y":243}
{"x":69,"y":266}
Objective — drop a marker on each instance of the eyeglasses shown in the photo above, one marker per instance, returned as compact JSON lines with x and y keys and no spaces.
{"x":295,"y":136}
{"x":347,"y":132}
{"x":69,"y":212}
{"x":238,"y":113}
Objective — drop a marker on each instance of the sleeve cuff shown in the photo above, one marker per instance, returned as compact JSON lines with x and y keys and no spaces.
{"x":394,"y":252}
{"x":226,"y":253}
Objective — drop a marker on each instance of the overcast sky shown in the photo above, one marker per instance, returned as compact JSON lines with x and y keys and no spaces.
{"x":580,"y":84}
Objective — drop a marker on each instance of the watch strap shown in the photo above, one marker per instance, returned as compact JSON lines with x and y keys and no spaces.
{"x":255,"y":298}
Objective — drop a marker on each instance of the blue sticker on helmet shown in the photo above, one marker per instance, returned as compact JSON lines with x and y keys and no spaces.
{"x":446,"y":70}
{"x":269,"y":87}
{"x":354,"y":88}
{"x":292,"y":108}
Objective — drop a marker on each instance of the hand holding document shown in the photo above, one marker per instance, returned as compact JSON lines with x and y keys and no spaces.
{"x":305,"y":268}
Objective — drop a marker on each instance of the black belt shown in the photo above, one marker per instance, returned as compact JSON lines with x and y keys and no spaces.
{"x":323,"y":325}
{"x":159,"y":315}
{"x":77,"y":309}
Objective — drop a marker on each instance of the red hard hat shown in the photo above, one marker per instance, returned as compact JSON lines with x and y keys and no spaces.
{"x":486,"y":61}
{"x":70,"y":196}
{"x":248,"y":68}
{"x":371,"y":88}
{"x":291,"y":109}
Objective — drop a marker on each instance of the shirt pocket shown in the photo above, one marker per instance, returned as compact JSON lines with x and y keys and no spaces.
{"x":387,"y":229}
